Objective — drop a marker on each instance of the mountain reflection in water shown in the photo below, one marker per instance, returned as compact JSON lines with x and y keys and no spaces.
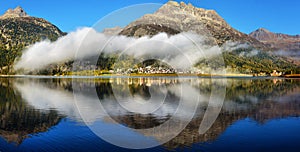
{"x":32,"y":106}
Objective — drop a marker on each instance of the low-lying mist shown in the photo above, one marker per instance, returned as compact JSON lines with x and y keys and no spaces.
{"x":180,"y":51}
{"x":287,"y":53}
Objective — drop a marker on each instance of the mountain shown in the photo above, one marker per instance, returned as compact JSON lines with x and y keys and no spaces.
{"x":18,"y":30}
{"x":174,"y":18}
{"x":277,"y":41}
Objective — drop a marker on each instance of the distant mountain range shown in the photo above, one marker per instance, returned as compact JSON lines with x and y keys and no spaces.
{"x":18,"y":30}
{"x":277,"y":41}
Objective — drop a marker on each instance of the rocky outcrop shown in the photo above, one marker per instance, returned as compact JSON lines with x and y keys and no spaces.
{"x":277,"y":41}
{"x":112,"y":31}
{"x":12,"y":13}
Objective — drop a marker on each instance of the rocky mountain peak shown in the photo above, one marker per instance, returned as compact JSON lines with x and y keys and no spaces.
{"x":18,"y":31}
{"x":173,"y":18}
{"x":263,"y":30}
{"x":262,"y":34}
{"x":277,"y":40}
{"x":173,"y":8}
{"x":12,"y":13}
{"x":172,"y":3}
{"x":265,"y":35}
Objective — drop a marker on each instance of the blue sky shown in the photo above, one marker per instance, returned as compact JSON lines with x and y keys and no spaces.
{"x":244,"y":15}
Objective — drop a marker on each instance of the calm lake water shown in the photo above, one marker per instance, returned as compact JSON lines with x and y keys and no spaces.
{"x":163,"y":114}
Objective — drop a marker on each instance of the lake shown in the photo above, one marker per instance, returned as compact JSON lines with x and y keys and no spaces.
{"x":149,"y":114}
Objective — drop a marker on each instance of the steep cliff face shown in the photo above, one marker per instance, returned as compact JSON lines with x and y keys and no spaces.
{"x":181,"y":17}
{"x":277,"y":41}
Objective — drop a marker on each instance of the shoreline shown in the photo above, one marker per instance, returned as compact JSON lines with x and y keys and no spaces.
{"x":174,"y":75}
{"x":292,"y":76}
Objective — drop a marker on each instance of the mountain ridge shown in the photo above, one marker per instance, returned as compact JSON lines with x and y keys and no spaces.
{"x":183,"y":17}
{"x":278,"y":41}
{"x":20,"y":31}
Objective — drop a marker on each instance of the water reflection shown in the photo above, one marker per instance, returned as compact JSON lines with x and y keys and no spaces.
{"x":30,"y":106}
{"x":19,"y":118}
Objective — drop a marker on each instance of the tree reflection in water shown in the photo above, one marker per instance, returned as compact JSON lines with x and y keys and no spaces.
{"x":30,"y":106}
{"x":18,"y":119}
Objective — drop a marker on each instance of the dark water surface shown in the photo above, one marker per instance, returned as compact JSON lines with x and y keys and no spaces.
{"x":46,"y":114}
